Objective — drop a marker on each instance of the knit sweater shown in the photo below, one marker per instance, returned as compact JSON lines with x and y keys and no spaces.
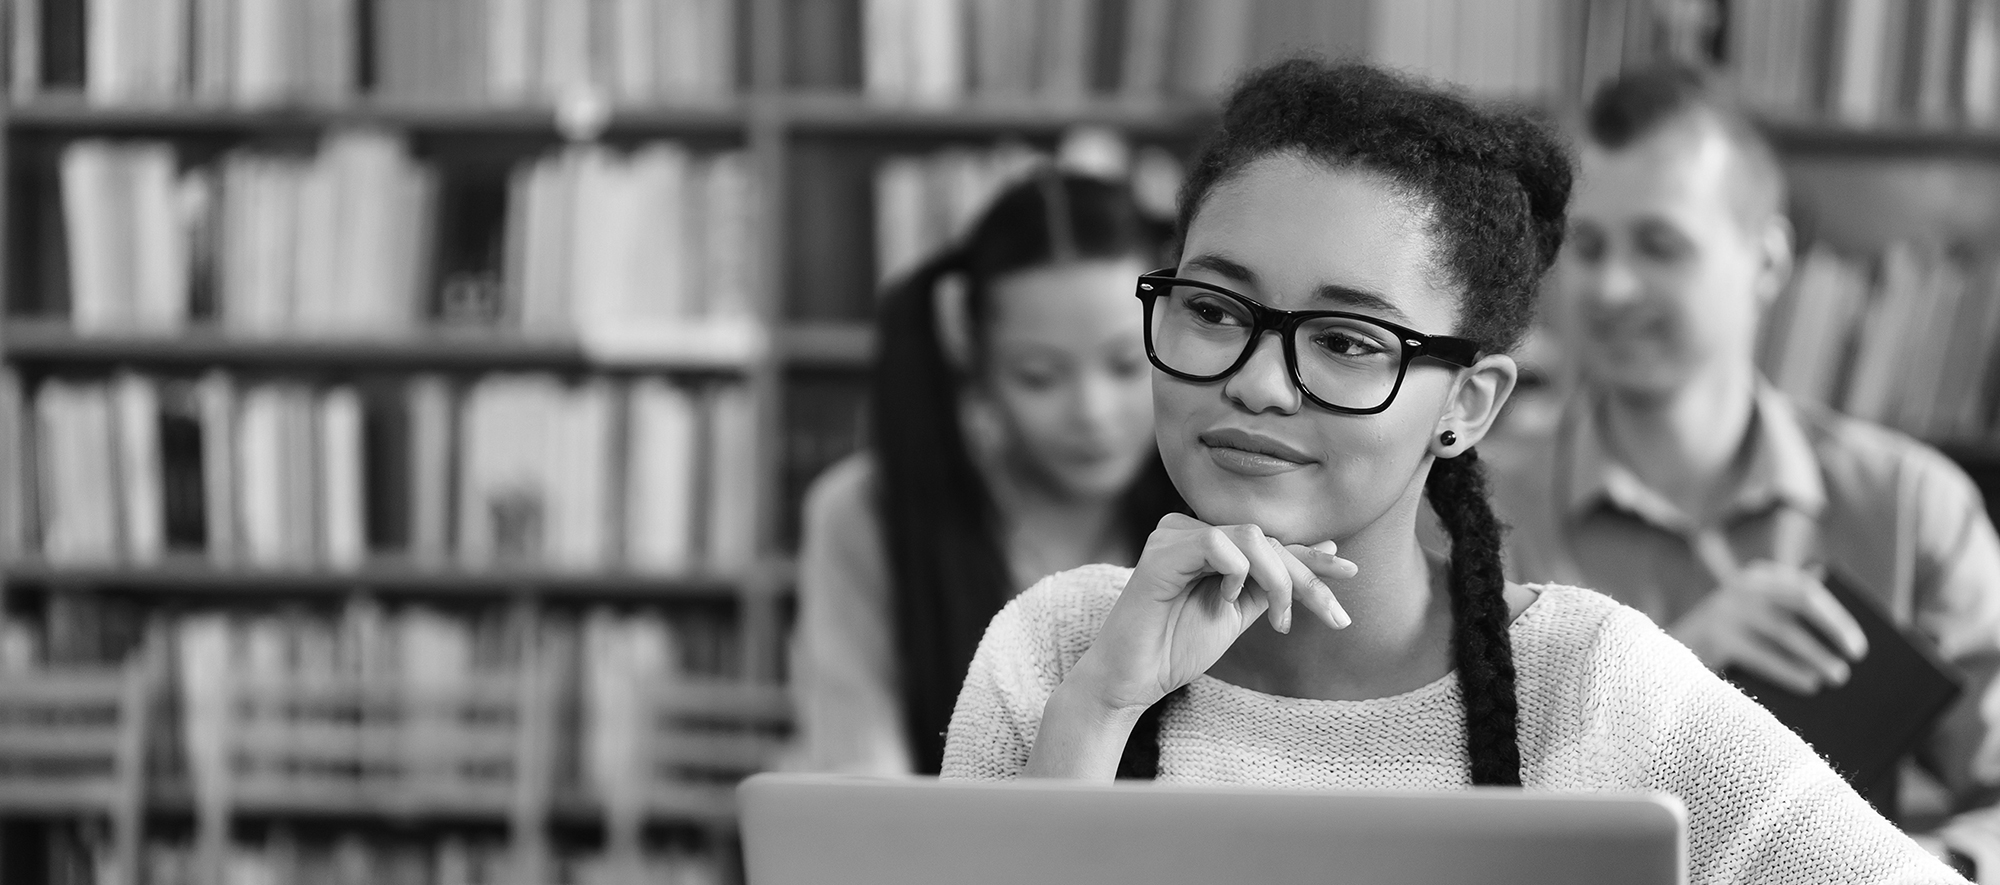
{"x":1608,"y":702}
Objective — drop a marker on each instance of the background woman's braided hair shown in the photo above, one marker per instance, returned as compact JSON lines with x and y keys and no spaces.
{"x":948,"y":574}
{"x":1495,"y":185}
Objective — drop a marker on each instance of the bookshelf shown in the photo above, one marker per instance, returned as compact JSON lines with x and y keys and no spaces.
{"x":813,"y":122}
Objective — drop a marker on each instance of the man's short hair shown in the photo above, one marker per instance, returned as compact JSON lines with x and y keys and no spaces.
{"x":1644,"y":100}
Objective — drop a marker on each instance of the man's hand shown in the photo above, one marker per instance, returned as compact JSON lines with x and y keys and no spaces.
{"x":1779,"y":623}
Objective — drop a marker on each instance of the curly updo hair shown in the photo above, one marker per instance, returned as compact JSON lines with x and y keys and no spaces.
{"x":1495,"y":185}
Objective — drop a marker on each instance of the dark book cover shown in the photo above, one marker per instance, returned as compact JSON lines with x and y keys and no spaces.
{"x":182,"y":484}
{"x":824,"y":44}
{"x":386,"y":469}
{"x":63,"y":62}
{"x":830,"y":269}
{"x":1865,"y":727}
{"x":1107,"y":52}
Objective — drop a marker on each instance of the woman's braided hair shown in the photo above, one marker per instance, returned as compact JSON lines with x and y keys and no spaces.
{"x":1495,"y":184}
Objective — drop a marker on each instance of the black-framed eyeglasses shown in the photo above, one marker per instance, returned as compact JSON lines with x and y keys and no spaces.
{"x":1347,"y":362}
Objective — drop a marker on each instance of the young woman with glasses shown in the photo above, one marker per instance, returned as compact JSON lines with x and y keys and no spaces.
{"x":1358,"y":253}
{"x":1012,"y":437}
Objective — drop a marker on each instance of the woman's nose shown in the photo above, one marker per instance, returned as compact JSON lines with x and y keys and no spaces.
{"x":1264,"y":382}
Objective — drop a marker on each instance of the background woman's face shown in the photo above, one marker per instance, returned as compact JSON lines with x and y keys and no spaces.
{"x":1066,"y":367}
{"x":1297,"y":235}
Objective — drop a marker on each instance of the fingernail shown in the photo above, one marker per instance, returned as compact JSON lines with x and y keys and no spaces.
{"x":1340,"y":617}
{"x":1285,"y":621}
{"x":1327,"y":547}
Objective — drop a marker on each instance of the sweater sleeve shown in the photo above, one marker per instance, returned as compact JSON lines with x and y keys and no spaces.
{"x":1027,"y":650}
{"x":1762,"y":807}
{"x":845,"y":670}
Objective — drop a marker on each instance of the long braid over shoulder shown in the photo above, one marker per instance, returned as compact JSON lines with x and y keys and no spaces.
{"x":1496,"y":185}
{"x":1480,"y":646}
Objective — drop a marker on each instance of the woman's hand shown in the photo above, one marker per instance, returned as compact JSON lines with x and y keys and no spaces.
{"x":1196,"y":589}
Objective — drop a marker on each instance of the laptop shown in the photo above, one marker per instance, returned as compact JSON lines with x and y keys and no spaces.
{"x":835,"y":830}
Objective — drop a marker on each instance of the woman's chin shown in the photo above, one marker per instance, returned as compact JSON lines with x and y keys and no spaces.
{"x":1290,"y":522}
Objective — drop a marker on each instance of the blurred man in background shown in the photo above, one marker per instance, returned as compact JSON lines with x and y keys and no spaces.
{"x":1681,"y":482}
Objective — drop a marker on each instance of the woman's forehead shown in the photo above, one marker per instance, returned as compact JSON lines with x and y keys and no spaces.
{"x":1302,"y":231}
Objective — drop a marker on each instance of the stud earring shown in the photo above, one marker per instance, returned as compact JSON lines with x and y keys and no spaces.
{"x":1448,"y":438}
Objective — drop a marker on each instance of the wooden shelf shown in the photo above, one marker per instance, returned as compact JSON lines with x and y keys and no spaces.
{"x":827,"y":112}
{"x":847,"y":113}
{"x":52,"y":342}
{"x":197,"y":577}
{"x":1804,"y":137}
{"x":828,"y":345}
{"x":71,"y":113}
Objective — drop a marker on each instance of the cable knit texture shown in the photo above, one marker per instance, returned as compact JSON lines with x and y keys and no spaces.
{"x":1607,"y":702}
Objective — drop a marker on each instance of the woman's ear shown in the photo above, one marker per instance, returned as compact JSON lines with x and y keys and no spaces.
{"x":1476,"y":399}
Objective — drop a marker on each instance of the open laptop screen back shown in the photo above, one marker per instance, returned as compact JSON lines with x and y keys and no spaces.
{"x":849,"y":831}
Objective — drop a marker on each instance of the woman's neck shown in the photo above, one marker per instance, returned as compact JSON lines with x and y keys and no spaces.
{"x":1400,"y":639}
{"x":1044,"y":531}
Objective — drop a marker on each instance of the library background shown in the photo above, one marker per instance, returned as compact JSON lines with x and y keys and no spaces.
{"x":405,"y":404}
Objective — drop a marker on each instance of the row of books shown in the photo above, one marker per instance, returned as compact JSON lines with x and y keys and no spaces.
{"x":623,"y":249}
{"x":336,"y":242}
{"x":513,"y":51}
{"x":257,"y":53}
{"x":1907,"y":338}
{"x":1869,"y":62}
{"x":511,"y":471}
{"x":617,"y":248}
{"x":926,"y":202}
{"x":938,"y":51}
{"x":77,"y":857}
{"x":1531,"y":49}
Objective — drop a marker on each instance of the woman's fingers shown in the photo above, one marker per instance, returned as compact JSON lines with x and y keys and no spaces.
{"x":1267,"y":568}
{"x":1243,"y":557}
{"x":1307,"y":565}
{"x":1221,"y":555}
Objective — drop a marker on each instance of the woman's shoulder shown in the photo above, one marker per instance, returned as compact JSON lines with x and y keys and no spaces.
{"x":840,"y":504}
{"x":1576,"y":627}
{"x":1053,"y":622}
{"x":843,"y":489}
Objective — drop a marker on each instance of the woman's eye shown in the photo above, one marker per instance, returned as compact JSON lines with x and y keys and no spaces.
{"x":1213,"y":312}
{"x":1347,"y":344}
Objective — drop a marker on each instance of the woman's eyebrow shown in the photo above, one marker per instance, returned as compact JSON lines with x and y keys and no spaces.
{"x":1345,"y":296}
{"x":1227,"y":267}
{"x":1348,"y":296}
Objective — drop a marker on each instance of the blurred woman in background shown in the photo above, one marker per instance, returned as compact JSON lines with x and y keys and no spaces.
{"x":1011,"y":428}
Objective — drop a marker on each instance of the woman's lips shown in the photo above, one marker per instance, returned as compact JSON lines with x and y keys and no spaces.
{"x":1252,"y":454}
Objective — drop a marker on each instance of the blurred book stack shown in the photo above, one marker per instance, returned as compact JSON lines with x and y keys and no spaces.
{"x":1869,"y":62}
{"x":420,"y":710}
{"x":513,"y":471}
{"x":1907,"y":338}
{"x":941,"y":51}
{"x":648,"y":252}
{"x":266,"y":53}
{"x":1063,"y":51}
